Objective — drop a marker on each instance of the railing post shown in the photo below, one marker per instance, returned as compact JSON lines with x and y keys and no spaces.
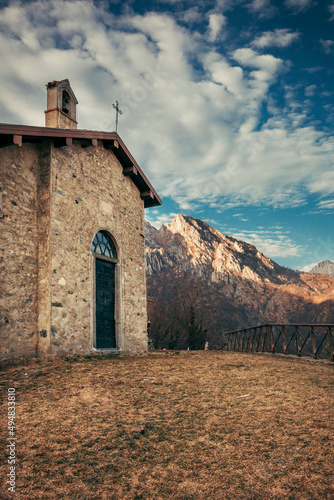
{"x":270,"y":338}
{"x":314,"y":344}
{"x":284,"y":340}
{"x":330,"y":343}
{"x":257,"y":340}
{"x":297,"y":341}
{"x":261,"y":339}
{"x":254,"y":339}
{"x":246,"y":340}
{"x":273,"y":343}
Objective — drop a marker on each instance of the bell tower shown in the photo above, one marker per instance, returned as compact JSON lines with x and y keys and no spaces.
{"x":61,"y":105}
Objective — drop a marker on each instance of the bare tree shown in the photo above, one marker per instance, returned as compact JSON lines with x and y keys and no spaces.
{"x":187,"y":318}
{"x":190,"y":315}
{"x":164,"y":331}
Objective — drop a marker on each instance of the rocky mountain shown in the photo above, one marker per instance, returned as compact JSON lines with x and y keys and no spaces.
{"x":235,"y":284}
{"x":325,"y":267}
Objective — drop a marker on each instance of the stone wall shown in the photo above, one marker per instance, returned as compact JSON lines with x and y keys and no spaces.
{"x":43,"y":248}
{"x":90,"y":193}
{"x":18,"y":251}
{"x":56,"y":200}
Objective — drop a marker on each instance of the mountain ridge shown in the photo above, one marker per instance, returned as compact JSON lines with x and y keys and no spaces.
{"x":324,"y":267}
{"x":238,"y":279}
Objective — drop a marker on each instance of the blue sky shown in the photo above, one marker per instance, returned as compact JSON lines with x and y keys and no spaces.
{"x":228,"y":106}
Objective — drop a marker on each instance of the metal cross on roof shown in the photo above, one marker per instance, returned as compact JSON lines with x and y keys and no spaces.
{"x":118,"y":111}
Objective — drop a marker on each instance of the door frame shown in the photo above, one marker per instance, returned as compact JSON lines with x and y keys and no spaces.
{"x":118,"y":295}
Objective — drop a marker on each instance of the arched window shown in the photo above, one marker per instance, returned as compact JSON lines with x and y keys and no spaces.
{"x":103,"y":245}
{"x":65,"y":102}
{"x":106,"y":270}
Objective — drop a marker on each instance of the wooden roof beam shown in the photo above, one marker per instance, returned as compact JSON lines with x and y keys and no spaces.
{"x":130,"y":170}
{"x":60,"y":142}
{"x":111,"y":144}
{"x":9,"y":140}
{"x":146,"y":195}
{"x":86,"y":143}
{"x":17,"y":139}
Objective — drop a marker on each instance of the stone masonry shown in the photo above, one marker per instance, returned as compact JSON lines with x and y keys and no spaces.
{"x":57,"y":190}
{"x":55,"y":200}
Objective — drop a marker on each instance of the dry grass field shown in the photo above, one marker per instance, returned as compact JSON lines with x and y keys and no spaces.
{"x":198,"y":425}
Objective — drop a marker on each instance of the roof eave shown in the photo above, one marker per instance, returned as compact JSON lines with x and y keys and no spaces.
{"x":17,"y":134}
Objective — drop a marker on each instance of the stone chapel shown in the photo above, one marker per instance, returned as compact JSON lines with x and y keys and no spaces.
{"x":72,"y":264}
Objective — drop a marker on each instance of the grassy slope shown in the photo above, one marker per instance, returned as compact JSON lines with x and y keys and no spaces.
{"x":168,"y":426}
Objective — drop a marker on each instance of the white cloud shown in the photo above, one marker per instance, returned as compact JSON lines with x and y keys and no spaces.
{"x":310,"y":90}
{"x":271,"y":243}
{"x":158,"y":219}
{"x":300,"y":5}
{"x":216,"y":22}
{"x":308,"y":267}
{"x":191,"y":15}
{"x":327,"y":46}
{"x":262,"y":8}
{"x":276,"y":38}
{"x":331,"y":10}
{"x":249,"y":58}
{"x":326,"y":204}
{"x":314,"y":69}
{"x":191,"y":115}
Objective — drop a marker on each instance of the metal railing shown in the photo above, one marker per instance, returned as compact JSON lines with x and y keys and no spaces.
{"x":298,"y":339}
